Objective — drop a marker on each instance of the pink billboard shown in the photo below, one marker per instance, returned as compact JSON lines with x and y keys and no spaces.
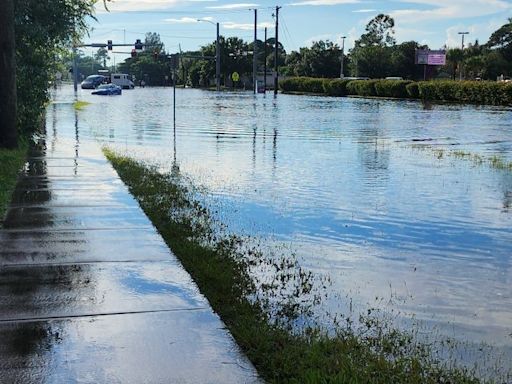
{"x":428,"y":57}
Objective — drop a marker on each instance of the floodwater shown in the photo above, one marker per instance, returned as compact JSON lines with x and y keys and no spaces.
{"x":373,"y":193}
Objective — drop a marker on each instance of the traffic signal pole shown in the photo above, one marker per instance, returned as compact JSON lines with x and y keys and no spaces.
{"x":138,"y":45}
{"x":276,"y":78}
{"x":217,"y":60}
{"x":255,"y":53}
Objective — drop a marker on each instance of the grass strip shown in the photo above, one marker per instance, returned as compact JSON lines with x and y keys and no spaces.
{"x":80,"y":105}
{"x":12,"y":161}
{"x":223,"y":276}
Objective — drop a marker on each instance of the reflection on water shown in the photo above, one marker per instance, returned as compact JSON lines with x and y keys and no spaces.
{"x":340,"y":180}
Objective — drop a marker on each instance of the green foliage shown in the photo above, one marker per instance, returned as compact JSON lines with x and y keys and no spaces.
{"x":472,"y":92}
{"x":144,"y":66}
{"x":223,"y":274}
{"x":336,"y":87}
{"x":362,"y":87}
{"x":392,"y":88}
{"x":501,"y":40}
{"x":475,"y":92}
{"x":321,"y":60}
{"x":42,"y":29}
{"x":372,"y":61}
{"x":303,"y":84}
{"x":413,"y":90}
{"x":379,"y":31}
{"x":12,"y":161}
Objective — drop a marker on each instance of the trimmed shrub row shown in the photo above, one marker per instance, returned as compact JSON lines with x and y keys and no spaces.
{"x":475,"y":92}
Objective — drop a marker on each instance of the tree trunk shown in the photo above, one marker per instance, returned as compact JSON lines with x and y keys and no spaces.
{"x":8,"y":131}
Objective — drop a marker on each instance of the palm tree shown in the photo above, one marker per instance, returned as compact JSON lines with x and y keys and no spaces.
{"x":455,"y":57}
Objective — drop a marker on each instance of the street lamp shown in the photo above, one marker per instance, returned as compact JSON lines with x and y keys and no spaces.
{"x":462,"y":47}
{"x":217,"y":54}
{"x":342,"y":56}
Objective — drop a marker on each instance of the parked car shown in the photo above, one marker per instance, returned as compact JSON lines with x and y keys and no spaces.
{"x":123,"y":80}
{"x":108,"y":89}
{"x":91,"y":82}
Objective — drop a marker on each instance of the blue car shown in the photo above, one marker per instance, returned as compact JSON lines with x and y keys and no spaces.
{"x":108,"y":89}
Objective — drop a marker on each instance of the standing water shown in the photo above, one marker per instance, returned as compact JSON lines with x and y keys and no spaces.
{"x":391,"y":200}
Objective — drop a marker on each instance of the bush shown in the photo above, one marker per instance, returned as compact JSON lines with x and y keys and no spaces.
{"x":413,"y":90}
{"x":303,"y":84}
{"x":362,"y":87}
{"x":392,"y":88}
{"x":336,"y":87}
{"x":474,"y":92}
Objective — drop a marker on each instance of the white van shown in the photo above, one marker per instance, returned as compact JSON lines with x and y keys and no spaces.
{"x":122,"y":79}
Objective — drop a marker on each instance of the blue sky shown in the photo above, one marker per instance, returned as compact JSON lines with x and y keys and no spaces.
{"x":432,"y":22}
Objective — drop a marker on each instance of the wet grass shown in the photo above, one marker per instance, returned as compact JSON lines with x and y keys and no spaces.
{"x":494,"y":162}
{"x":221,"y":265}
{"x":12,"y":161}
{"x":79,"y":105}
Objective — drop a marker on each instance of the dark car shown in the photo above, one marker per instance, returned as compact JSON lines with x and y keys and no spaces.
{"x":108,"y":89}
{"x":91,"y":82}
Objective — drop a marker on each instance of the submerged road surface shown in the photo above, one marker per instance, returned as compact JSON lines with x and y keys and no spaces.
{"x":90,"y":293}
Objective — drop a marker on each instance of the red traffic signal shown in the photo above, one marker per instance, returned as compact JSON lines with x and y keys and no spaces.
{"x":134,"y":53}
{"x":109,"y":45}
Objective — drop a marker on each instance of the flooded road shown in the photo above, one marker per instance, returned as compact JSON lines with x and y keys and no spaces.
{"x":398,"y":203}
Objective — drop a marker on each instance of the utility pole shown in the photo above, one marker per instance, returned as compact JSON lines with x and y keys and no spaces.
{"x":217,"y":54}
{"x":462,"y":47}
{"x":265,"y":65}
{"x":276,"y":78}
{"x":217,"y":61}
{"x":342,"y":56}
{"x":254,"y":53}
{"x":75,"y":71}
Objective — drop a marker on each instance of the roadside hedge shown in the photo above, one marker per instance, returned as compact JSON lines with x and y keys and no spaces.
{"x":336,"y":87}
{"x":303,"y":84}
{"x":392,"y":88}
{"x":473,"y":92}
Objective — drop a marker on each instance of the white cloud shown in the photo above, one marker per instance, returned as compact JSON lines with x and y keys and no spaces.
{"x":183,"y":20}
{"x":479,"y":31}
{"x":453,"y":9}
{"x":234,"y":6}
{"x":136,"y":5}
{"x":309,"y":42}
{"x":246,"y":26}
{"x":324,"y":2}
{"x":364,"y":10}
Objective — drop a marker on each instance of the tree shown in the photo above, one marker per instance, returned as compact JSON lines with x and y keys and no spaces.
{"x":501,"y":40}
{"x":153,"y":42}
{"x":8,"y":99}
{"x":371,"y":61}
{"x":453,"y":59}
{"x":379,"y":31}
{"x":371,"y":55}
{"x":101,"y":56}
{"x":403,"y":61}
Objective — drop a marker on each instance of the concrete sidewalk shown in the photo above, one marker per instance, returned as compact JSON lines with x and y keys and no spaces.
{"x":90,"y":293}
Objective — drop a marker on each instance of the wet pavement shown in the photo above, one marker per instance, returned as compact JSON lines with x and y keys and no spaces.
{"x":90,"y":293}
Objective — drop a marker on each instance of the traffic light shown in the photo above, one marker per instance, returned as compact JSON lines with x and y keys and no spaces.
{"x":134,"y":53}
{"x":138,"y":45}
{"x":109,"y":45}
{"x":155,"y":55}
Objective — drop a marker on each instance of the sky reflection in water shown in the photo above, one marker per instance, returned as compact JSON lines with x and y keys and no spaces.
{"x":354,"y":185}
